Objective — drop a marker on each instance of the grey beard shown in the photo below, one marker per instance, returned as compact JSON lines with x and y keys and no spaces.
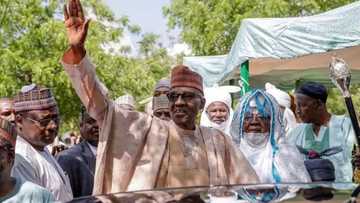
{"x":256,"y":140}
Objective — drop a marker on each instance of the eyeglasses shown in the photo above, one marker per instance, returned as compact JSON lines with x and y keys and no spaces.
{"x":186,"y":96}
{"x":256,"y":116}
{"x":44,"y":122}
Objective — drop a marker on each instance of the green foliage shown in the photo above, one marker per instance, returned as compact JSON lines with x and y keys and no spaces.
{"x":32,"y":41}
{"x":210,"y":26}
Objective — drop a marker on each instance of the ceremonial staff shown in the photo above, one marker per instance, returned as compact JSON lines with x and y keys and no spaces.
{"x":340,"y":75}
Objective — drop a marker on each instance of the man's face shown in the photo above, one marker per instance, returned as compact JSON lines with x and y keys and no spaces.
{"x":185,"y":103}
{"x":254,"y":122}
{"x":163,"y":114}
{"x":307,"y":108}
{"x":89,"y":130}
{"x":6,"y":110}
{"x":218,"y":112}
{"x":38,"y":127}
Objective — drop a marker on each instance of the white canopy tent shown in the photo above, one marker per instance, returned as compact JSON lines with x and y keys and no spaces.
{"x":278,"y":46}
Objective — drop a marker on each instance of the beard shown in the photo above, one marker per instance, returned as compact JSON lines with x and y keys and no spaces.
{"x":256,"y":140}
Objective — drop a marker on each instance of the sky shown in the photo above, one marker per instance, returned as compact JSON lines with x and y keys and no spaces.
{"x":145,"y":13}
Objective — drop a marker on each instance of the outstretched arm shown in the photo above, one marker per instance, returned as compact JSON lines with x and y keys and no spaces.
{"x":91,"y":91}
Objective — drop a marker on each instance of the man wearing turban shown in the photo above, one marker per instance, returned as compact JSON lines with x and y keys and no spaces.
{"x":217,"y":112}
{"x":258,"y":131}
{"x":137,"y":151}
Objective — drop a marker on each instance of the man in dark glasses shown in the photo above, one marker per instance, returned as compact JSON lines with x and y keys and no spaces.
{"x":137,"y":151}
{"x":37,"y":124}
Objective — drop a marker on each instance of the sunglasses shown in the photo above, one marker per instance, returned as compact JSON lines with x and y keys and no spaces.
{"x":186,"y":96}
{"x":44,"y":122}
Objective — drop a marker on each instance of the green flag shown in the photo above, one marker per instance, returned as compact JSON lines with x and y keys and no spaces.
{"x":245,"y":77}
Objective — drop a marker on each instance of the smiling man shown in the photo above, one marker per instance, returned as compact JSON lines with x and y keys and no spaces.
{"x":137,"y":151}
{"x":218,"y":113}
{"x":37,"y":124}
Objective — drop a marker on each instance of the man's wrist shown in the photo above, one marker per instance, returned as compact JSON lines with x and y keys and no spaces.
{"x":74,"y":54}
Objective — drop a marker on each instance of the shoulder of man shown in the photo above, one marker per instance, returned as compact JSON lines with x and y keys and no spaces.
{"x":73,"y":154}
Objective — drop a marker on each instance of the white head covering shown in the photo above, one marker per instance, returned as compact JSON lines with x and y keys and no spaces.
{"x":281,"y":97}
{"x":217,"y":94}
{"x":284,"y":100}
{"x":276,"y":161}
{"x":126,"y":100}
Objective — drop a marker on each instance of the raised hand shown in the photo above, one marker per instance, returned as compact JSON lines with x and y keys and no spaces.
{"x":75,"y":23}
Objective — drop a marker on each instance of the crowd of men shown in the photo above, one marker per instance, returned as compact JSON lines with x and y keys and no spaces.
{"x":122,"y":149}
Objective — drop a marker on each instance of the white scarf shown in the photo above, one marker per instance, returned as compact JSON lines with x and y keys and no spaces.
{"x":217,"y":94}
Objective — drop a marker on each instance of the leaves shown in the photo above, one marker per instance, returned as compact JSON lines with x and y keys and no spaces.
{"x":32,"y":41}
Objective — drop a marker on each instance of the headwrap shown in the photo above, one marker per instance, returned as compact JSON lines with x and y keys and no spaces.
{"x":127,"y":100}
{"x":160,"y":102}
{"x":182,"y":76}
{"x":313,"y":90}
{"x":284,"y":100}
{"x":216,"y":94}
{"x":33,"y":97}
{"x":276,"y":161}
{"x":8,"y":131}
{"x":162,"y":83}
{"x":281,"y":97}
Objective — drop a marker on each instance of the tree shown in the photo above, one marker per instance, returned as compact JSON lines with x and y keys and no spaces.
{"x":210,"y":26}
{"x":32,"y":41}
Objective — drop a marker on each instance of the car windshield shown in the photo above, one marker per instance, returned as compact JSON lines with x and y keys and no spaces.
{"x":299,"y":192}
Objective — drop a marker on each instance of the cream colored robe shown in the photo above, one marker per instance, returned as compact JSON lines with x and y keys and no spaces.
{"x":133,"y":145}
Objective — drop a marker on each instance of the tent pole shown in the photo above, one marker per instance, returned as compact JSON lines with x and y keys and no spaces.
{"x":244,"y":77}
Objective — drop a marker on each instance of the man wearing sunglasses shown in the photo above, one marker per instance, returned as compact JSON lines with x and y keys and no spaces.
{"x":37,"y":124}
{"x":137,"y":151}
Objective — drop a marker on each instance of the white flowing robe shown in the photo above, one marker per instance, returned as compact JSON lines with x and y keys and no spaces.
{"x":134,"y":151}
{"x":41,"y":168}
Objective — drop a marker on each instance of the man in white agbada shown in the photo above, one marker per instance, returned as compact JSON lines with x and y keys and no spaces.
{"x":258,"y":131}
{"x":37,"y":123}
{"x":217,"y":112}
{"x":284,"y":101}
{"x":322,"y":130}
{"x":137,"y":151}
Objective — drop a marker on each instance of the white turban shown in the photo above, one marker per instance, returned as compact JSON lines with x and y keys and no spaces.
{"x":284,"y":100}
{"x":217,"y":94}
{"x":281,"y":97}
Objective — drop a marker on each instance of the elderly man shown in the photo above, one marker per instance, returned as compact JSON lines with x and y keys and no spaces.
{"x":7,"y":109}
{"x":37,"y":124}
{"x":13,"y":189}
{"x":137,"y":151}
{"x":217,"y":111}
{"x":258,"y":130}
{"x":79,"y":161}
{"x":322,"y":130}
